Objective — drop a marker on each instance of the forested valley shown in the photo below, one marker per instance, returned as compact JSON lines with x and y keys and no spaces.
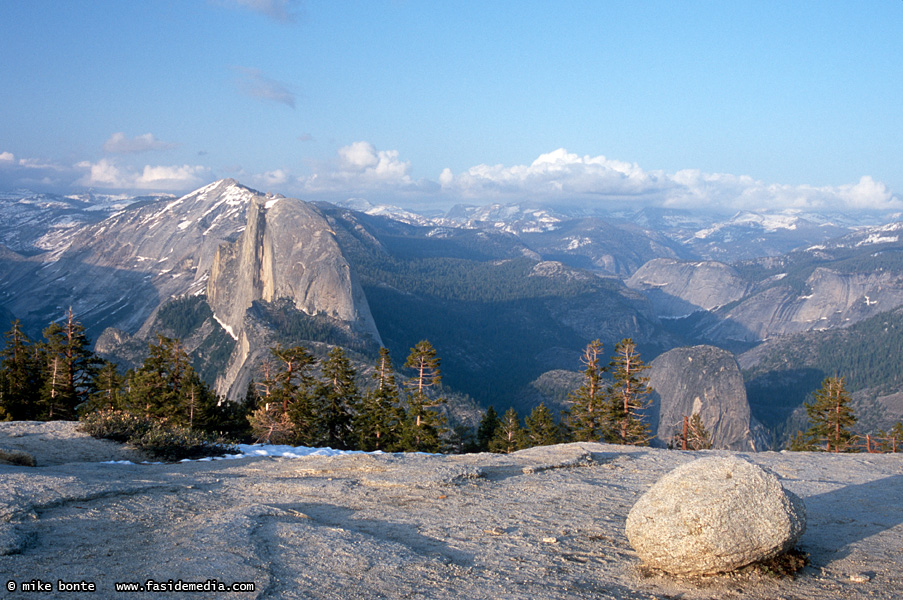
{"x":164,"y":407}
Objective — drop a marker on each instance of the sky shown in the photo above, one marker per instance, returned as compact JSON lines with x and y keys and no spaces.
{"x":692,"y":104}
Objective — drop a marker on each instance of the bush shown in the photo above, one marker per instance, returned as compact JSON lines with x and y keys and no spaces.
{"x":117,"y":425}
{"x":173,"y":444}
{"x":157,"y":439}
{"x":16,"y":457}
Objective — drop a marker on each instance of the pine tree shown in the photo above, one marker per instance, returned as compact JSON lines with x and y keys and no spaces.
{"x":542,"y":430}
{"x":107,"y":391}
{"x":510,"y":435}
{"x":831,"y":417}
{"x":166,"y":386}
{"x":20,"y":380}
{"x":586,"y":416}
{"x":379,"y":421}
{"x":800,"y":443}
{"x":629,"y":397}
{"x":286,"y":414}
{"x":692,"y":435}
{"x":336,"y":400}
{"x":892,"y":441}
{"x":488,"y":426}
{"x":70,"y":368}
{"x":424,"y":426}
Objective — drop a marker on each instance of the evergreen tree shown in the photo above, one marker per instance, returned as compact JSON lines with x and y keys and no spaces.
{"x":629,"y":397}
{"x":831,"y":417}
{"x":692,"y":435}
{"x":230,"y":420}
{"x":107,"y":391}
{"x":542,"y":430}
{"x":337,"y":398}
{"x":461,"y":440}
{"x":800,"y":443}
{"x":286,"y":412}
{"x":424,"y":426}
{"x":488,"y":426}
{"x":586,"y":416}
{"x":379,"y":421}
{"x":20,"y":381}
{"x":69,"y":368}
{"x":166,"y":386}
{"x":510,"y":435}
{"x":892,"y":441}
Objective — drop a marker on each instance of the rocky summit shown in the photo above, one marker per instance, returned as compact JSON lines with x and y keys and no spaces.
{"x":707,"y":381}
{"x":540,"y":524}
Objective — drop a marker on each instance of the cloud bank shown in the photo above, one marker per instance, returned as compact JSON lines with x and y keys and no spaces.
{"x":107,"y":174}
{"x":360,"y":169}
{"x":561,"y":175}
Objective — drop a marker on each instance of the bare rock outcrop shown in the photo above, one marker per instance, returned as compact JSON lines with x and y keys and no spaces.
{"x":832,"y":298}
{"x":714,"y":515}
{"x":677,"y":288}
{"x":288,"y":251}
{"x":703,"y":380}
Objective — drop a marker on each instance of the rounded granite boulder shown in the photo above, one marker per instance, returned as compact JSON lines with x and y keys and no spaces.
{"x":714,"y":515}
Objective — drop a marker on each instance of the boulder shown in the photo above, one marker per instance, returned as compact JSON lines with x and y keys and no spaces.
{"x":714,"y":515}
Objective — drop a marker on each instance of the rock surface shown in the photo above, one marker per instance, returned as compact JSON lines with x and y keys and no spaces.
{"x":541,"y":524}
{"x":703,"y":380}
{"x":714,"y":515}
{"x":677,"y":288}
{"x":287,"y":251}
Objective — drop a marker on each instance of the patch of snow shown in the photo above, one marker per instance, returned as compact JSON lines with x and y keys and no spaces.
{"x":877,"y":238}
{"x":227,"y":328}
{"x":184,"y":225}
{"x":271,"y":203}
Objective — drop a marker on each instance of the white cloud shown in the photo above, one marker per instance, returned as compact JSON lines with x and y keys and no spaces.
{"x":362,"y":159}
{"x":269,"y":180}
{"x":255,"y":84}
{"x":7,"y":158}
{"x":107,"y":174}
{"x":563,"y":175}
{"x":557,"y":173}
{"x":119,"y":143}
{"x":360,"y":168}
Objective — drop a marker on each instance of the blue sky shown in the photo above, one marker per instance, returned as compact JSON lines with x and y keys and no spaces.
{"x":722,"y":104}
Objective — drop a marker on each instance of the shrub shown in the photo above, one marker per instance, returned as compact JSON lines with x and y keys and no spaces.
{"x":173,"y":444}
{"x":16,"y":457}
{"x":157,"y":439}
{"x":117,"y":425}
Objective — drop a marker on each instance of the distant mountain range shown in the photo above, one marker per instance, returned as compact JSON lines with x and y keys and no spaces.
{"x":508,"y":294}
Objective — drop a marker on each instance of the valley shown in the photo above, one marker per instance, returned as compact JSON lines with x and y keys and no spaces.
{"x":508,"y":294}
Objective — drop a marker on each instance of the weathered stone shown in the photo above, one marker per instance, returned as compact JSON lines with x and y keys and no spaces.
{"x":714,"y":515}
{"x":707,"y":381}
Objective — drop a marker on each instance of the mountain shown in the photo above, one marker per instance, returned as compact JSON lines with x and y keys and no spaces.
{"x":679,"y":288}
{"x":833,"y":284}
{"x":703,"y":380}
{"x":118,"y":271}
{"x":498,"y":314}
{"x":784,"y":372}
{"x":287,"y":253}
{"x":232,"y":272}
{"x":507,"y":294}
{"x":34,"y":223}
{"x":749,"y":235}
